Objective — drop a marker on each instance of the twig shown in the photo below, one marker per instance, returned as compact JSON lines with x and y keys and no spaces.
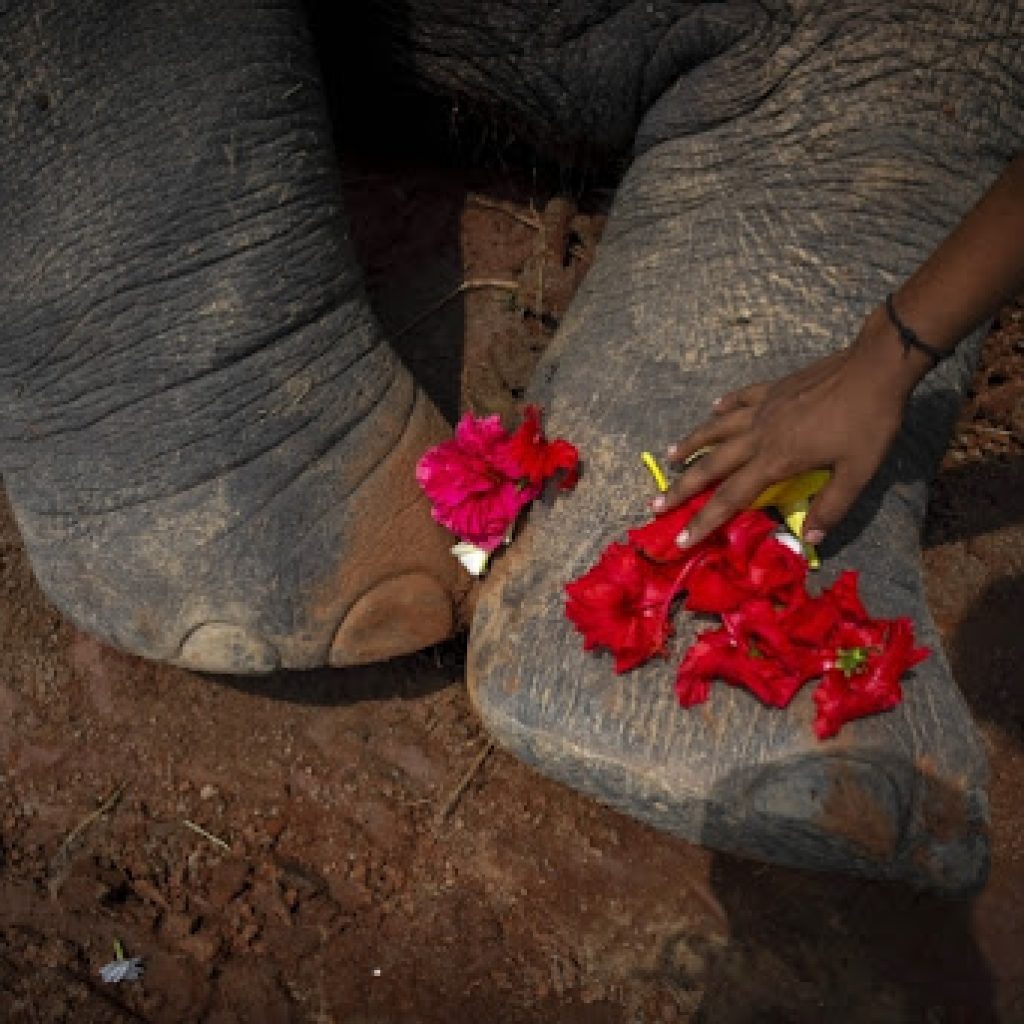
{"x":216,"y":840}
{"x":531,"y":220}
{"x":466,"y":286}
{"x":108,"y":805}
{"x":463,"y":784}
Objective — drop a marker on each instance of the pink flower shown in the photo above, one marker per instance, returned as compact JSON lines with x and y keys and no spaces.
{"x":475,"y":490}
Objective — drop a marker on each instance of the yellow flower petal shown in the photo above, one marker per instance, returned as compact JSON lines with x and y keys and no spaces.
{"x":655,"y":470}
{"x":794,"y":516}
{"x":796,"y":488}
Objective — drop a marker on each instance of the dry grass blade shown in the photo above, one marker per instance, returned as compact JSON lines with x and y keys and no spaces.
{"x":463,"y":784}
{"x":531,"y":220}
{"x":199,"y":830}
{"x":467,"y":286}
{"x":104,"y":808}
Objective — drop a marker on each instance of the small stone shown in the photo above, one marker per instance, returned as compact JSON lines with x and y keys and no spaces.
{"x":208,"y":792}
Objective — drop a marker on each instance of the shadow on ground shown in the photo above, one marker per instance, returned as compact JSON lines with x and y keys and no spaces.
{"x":804,"y":947}
{"x":975,"y":498}
{"x":409,"y":678}
{"x":809,"y":948}
{"x":987,"y":653}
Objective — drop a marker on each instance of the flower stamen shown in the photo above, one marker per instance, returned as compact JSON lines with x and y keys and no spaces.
{"x":851,"y":660}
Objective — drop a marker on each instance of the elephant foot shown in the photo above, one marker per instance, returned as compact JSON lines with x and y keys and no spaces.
{"x":207,"y":443}
{"x":896,"y":796}
{"x":284,"y":563}
{"x":675,"y":311}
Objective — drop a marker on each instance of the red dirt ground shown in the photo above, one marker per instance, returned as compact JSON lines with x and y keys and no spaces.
{"x":344,"y":884}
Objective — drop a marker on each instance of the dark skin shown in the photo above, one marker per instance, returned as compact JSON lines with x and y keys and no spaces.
{"x":842,"y":412}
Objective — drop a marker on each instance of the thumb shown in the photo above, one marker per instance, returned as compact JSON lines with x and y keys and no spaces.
{"x":834,"y":501}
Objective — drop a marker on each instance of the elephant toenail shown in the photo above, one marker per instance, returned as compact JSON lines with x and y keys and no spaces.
{"x":225,"y":647}
{"x":398,"y":616}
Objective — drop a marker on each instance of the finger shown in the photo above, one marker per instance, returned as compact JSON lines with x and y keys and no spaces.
{"x":711,"y":432}
{"x":733,"y":496}
{"x":753,"y":394}
{"x":831,"y":505}
{"x":724,"y":460}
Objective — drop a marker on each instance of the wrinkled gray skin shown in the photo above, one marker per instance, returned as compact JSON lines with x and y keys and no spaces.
{"x":209,"y":446}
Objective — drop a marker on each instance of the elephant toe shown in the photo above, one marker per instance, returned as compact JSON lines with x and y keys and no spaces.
{"x":397,"y":616}
{"x":225,"y":647}
{"x":282,"y":565}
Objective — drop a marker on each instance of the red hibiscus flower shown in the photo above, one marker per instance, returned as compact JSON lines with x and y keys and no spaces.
{"x":719,"y":581}
{"x":717,"y":576}
{"x":744,"y":534}
{"x":738,"y":561}
{"x":777,"y":571}
{"x":622,"y":603}
{"x":715,"y":655}
{"x":538,"y":459}
{"x":713,"y":585}
{"x":843,"y":594}
{"x":751,"y":650}
{"x":657,"y":539}
{"x":863,"y":676}
{"x":774,"y":637}
{"x":812,"y":621}
{"x":722,"y":578}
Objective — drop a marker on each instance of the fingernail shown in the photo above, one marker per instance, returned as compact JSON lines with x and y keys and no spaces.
{"x":716,"y":403}
{"x":658,"y":504}
{"x":814,"y":536}
{"x":683,"y":539}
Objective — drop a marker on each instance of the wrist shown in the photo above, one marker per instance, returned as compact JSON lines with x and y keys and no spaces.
{"x":880,"y":345}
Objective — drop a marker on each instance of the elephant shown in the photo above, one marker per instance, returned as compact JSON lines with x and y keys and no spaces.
{"x":209,"y":446}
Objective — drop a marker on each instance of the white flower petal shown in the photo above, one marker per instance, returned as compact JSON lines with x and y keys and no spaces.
{"x":129,"y":969}
{"x":791,"y":542}
{"x":473,"y":559}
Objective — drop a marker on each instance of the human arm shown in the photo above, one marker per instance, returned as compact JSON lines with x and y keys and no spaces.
{"x":842,"y":412}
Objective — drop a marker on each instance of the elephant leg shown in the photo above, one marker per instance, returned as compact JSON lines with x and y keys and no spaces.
{"x":572,"y":80}
{"x":780,"y":188}
{"x":207,"y":444}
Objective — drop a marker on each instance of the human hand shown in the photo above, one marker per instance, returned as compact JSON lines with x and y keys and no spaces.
{"x":839,"y":413}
